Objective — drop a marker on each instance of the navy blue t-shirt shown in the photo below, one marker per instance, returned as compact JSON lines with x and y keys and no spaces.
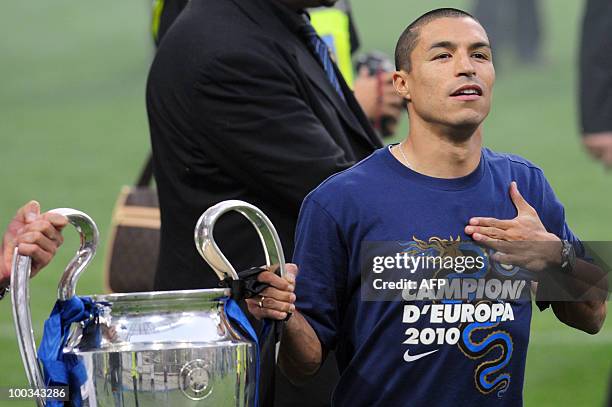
{"x":385,"y":357}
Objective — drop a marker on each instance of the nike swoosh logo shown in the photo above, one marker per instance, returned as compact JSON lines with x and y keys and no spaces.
{"x":411,"y":358}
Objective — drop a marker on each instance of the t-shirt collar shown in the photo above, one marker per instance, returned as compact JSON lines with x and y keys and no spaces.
{"x":448,"y":184}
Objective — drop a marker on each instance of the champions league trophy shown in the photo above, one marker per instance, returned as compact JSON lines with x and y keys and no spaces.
{"x":172,"y":348}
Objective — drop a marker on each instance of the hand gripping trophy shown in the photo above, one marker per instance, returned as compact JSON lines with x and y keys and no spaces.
{"x":172,"y":348}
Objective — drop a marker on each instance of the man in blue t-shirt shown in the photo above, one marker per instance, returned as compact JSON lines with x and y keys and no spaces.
{"x":437,"y":209}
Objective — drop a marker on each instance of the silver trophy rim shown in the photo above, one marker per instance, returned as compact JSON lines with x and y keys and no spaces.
{"x":211,"y":294}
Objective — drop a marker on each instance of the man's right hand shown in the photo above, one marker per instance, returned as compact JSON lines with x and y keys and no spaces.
{"x":276,"y":301}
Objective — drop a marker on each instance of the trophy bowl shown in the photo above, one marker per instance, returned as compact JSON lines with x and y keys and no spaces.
{"x":167,"y":348}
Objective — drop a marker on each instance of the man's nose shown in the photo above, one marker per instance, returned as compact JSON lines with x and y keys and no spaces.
{"x":464,"y":65}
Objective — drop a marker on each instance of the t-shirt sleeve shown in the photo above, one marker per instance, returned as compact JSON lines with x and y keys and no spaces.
{"x":552,"y":215}
{"x":321,"y":257}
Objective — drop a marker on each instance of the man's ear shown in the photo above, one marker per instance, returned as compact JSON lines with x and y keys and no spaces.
{"x":400,"y":83}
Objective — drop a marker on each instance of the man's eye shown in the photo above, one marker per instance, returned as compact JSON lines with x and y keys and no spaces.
{"x":443,"y":56}
{"x":480,"y":55}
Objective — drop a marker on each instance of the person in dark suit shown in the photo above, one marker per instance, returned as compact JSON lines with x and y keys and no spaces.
{"x":164,"y":14}
{"x":596,"y":80}
{"x":244,"y":103}
{"x":336,"y":27}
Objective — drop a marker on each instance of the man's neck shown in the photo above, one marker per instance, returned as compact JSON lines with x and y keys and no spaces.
{"x":442,"y":154}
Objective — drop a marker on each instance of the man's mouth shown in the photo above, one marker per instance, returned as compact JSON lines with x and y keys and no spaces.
{"x":467,"y":92}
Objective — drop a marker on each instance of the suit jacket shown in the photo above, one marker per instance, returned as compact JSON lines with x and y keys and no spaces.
{"x":596,"y":68}
{"x":239,"y":108}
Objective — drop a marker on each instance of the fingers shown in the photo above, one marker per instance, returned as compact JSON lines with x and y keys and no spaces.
{"x":270,"y":303}
{"x":596,"y":152}
{"x":291,"y":272}
{"x":264,"y":307}
{"x":392,"y":103}
{"x":57,"y":220}
{"x":275,"y":294}
{"x":39,"y":239}
{"x":364,"y":72}
{"x":276,"y":301}
{"x":492,"y":222}
{"x":28,"y":212}
{"x":37,"y":245}
{"x":495,"y":244}
{"x":491,"y":232}
{"x":46,"y":228}
{"x":479,"y":237}
{"x":275,"y":281}
{"x":40,"y":257}
{"x":599,"y":146}
{"x":517,"y":199}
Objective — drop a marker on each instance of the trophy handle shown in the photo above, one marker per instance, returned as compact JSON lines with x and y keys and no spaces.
{"x":20,"y":276}
{"x":208,"y":249}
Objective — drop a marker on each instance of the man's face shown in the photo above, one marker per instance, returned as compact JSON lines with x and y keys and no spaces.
{"x":452,"y":75}
{"x":302,"y":4}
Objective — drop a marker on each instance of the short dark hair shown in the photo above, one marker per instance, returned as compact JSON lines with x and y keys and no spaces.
{"x":407,"y":41}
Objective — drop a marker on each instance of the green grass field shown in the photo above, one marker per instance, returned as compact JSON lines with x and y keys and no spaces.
{"x":73,"y":130}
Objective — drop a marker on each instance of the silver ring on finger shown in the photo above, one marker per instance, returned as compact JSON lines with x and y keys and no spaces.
{"x":260,"y":303}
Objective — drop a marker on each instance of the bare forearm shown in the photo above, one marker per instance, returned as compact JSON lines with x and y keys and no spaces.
{"x":300,"y":353}
{"x":587,"y":316}
{"x":587,"y":282}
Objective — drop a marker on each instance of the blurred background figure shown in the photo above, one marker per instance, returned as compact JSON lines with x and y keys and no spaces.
{"x":164,"y":14}
{"x":596,"y":80}
{"x":372,"y":84}
{"x":515,"y":25}
{"x":336,"y":26}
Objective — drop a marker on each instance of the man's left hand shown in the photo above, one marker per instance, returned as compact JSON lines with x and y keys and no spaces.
{"x":517,"y":241}
{"x":277,"y":300}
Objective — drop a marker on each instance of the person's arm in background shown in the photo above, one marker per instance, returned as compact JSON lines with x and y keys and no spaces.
{"x":37,"y":236}
{"x":596,"y":81}
{"x":373,"y":85}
